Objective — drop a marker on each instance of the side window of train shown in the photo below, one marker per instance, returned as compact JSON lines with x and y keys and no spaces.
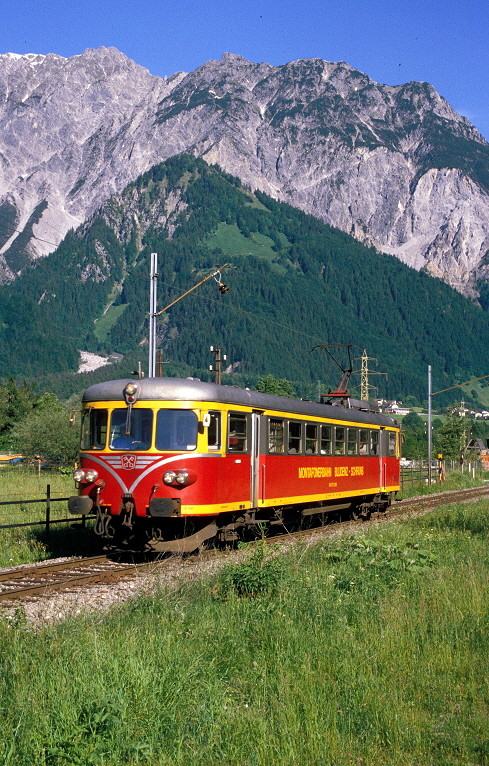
{"x":326,"y":440}
{"x":237,"y":432}
{"x":392,"y":444}
{"x":352,"y":448}
{"x":364,"y":441}
{"x":94,"y":429}
{"x":275,"y":436}
{"x":294,"y":438}
{"x":339,"y":440}
{"x":214,"y":431}
{"x":312,"y":438}
{"x":374,"y":443}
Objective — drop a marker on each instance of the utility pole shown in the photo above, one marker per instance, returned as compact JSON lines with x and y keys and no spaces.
{"x":159,"y":364}
{"x":364,"y":373}
{"x":218,"y":361}
{"x":430,"y":432}
{"x":152,"y":305}
{"x":152,"y":314}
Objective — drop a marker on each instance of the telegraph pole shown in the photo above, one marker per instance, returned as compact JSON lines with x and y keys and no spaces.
{"x":218,"y":361}
{"x":430,"y":432}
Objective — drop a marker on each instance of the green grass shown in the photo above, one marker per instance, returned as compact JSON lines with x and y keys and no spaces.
{"x":364,"y":649}
{"x":104,"y":325}
{"x":231,"y":241}
{"x":229,"y":238}
{"x":24,"y":545}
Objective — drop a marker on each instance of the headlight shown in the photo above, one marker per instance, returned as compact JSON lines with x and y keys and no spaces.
{"x":78,"y":475}
{"x":182,"y":477}
{"x":91,"y":476}
{"x":169,"y":477}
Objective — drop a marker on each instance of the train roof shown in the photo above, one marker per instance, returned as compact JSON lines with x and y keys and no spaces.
{"x":192,"y":389}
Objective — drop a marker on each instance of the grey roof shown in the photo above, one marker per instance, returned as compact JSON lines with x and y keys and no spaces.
{"x":192,"y":389}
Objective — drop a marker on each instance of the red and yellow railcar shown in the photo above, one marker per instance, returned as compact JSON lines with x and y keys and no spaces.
{"x":168,"y":463}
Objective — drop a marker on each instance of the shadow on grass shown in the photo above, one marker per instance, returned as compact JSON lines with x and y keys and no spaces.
{"x":69,"y":539}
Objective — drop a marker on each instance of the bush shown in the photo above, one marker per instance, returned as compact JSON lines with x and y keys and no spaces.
{"x":260,"y":573}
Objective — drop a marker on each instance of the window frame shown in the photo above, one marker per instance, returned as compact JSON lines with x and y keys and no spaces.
{"x":137,"y":415}
{"x":392,"y":444}
{"x":297,"y":439}
{"x":349,"y":442}
{"x":244,"y":416}
{"x":215,"y":416}
{"x":273,"y":442}
{"x":340,"y":441}
{"x":86,"y":434}
{"x":375,"y":443}
{"x":324,"y":440}
{"x":182,"y":412}
{"x":314,"y":439}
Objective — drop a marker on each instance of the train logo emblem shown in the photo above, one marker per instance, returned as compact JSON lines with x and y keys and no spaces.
{"x":128,"y":461}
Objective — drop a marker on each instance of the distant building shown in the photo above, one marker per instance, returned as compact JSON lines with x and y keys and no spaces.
{"x":478,"y":448}
{"x":395,"y":408}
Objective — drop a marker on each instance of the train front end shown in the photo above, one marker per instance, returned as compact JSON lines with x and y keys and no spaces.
{"x":139,"y":468}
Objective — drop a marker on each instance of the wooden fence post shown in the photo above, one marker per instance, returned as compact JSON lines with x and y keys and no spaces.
{"x":48,"y":509}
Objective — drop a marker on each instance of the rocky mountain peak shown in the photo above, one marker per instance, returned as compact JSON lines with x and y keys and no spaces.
{"x":393,"y":165}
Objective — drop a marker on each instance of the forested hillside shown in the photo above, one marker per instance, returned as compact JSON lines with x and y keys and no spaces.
{"x":293,"y":283}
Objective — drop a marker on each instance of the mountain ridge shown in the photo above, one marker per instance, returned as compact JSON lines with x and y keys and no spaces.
{"x":394,"y":166}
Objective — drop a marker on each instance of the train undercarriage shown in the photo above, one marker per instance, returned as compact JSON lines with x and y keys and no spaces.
{"x":186,"y":534}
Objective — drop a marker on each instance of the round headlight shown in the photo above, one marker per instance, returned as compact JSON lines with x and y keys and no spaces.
{"x":91,"y":476}
{"x":182,"y":477}
{"x":169,"y":477}
{"x":130,"y":389}
{"x":78,"y":475}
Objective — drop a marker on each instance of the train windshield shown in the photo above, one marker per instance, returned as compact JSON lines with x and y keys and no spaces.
{"x":176,"y":430}
{"x":141,"y":427}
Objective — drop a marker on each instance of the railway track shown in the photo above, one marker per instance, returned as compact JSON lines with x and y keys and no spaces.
{"x":40,"y":580}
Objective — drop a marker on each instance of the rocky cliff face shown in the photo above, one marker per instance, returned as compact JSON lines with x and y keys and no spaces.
{"x":394,"y":166}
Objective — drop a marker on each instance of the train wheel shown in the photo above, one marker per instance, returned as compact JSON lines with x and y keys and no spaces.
{"x":361,"y":512}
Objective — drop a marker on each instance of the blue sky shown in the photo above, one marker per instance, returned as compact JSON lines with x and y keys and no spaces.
{"x":393,"y":41}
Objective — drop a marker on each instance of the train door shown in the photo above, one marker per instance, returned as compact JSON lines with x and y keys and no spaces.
{"x":383,"y":452}
{"x":241,"y":447}
{"x":255,"y":457}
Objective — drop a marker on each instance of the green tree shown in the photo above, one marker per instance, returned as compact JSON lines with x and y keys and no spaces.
{"x":269,"y":384}
{"x":415,"y":440}
{"x":15,"y":403}
{"x":452,"y":438}
{"x":47,"y":432}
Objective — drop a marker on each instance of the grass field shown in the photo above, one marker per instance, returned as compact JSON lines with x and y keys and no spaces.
{"x":368,"y":649}
{"x":231,"y":241}
{"x":24,"y":545}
